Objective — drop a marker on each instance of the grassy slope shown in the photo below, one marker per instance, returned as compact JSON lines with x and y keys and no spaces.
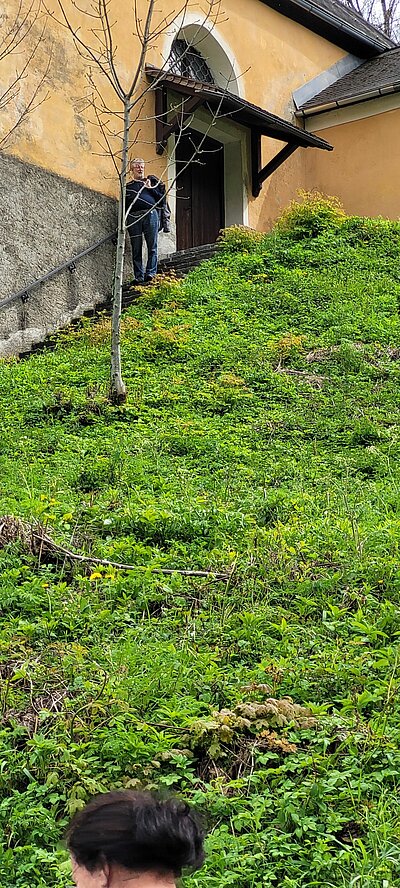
{"x":220,"y":458}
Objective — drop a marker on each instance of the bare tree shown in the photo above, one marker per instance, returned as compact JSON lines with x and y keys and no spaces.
{"x":383,"y":14}
{"x":21,"y":35}
{"x":119,"y":107}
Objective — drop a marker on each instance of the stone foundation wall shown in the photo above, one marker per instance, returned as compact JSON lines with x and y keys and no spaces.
{"x":45,"y":220}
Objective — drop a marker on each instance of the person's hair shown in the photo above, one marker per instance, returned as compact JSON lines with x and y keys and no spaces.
{"x":138,"y":160}
{"x":138,"y":831}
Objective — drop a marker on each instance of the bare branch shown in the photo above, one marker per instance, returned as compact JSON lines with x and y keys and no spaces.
{"x":44,"y":541}
{"x":109,"y":40}
{"x":143,"y":53}
{"x":91,"y":53}
{"x":107,"y":141}
{"x":19,"y":28}
{"x":31,"y":106}
{"x":383,"y":14}
{"x":12,"y":43}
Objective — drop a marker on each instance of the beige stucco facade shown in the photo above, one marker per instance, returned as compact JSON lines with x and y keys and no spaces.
{"x":363,"y":169}
{"x":270,"y":56}
{"x":59,"y":182}
{"x":254,"y":52}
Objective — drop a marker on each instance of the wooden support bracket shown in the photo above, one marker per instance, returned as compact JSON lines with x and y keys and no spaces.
{"x":165,"y":128}
{"x":255,"y":161}
{"x":258,"y":174}
{"x":161,"y":112}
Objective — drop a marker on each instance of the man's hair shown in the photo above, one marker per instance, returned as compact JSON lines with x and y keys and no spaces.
{"x":138,"y":160}
{"x":139,"y":831}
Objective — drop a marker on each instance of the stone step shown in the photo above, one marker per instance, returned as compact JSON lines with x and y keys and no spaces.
{"x":180,"y":263}
{"x":184,"y":260}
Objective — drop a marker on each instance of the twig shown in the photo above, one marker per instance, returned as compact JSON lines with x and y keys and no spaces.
{"x":45,"y":542}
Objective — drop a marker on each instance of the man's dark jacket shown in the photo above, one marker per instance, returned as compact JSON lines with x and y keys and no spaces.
{"x":139,"y":198}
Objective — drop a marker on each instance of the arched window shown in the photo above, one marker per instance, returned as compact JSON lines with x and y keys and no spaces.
{"x":186,"y":61}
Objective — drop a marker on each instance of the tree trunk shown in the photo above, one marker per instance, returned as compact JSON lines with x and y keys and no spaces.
{"x":117,"y":387}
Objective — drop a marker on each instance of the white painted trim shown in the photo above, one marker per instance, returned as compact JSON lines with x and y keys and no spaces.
{"x":235,"y":190}
{"x":232,"y":80}
{"x":350,"y":113}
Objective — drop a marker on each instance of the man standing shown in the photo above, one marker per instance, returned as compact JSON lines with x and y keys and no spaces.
{"x":147,"y":212}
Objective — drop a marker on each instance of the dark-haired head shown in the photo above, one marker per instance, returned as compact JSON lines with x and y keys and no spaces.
{"x":123,"y":835}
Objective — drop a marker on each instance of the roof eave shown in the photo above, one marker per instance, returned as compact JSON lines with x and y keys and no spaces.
{"x":331,"y":27}
{"x":345,"y":101}
{"x":239,"y":110}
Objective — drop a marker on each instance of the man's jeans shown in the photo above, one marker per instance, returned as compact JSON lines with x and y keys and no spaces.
{"x":146,"y":226}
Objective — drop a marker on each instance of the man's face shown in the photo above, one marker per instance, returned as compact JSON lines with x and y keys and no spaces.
{"x":137,"y":167}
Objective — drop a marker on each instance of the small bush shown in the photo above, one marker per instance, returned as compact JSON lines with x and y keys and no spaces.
{"x":168,"y":339}
{"x":362,"y":230}
{"x":238,"y":239}
{"x":167,"y":288}
{"x":366,"y":433}
{"x":310,"y":216}
{"x":287,"y":347}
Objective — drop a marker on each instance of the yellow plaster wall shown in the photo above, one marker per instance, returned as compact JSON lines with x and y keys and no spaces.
{"x":363,"y":169}
{"x":274,"y":55}
{"x":61,"y":133}
{"x":284,"y":56}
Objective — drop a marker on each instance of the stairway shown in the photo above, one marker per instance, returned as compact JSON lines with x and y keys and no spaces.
{"x":179,"y":263}
{"x":185,"y":260}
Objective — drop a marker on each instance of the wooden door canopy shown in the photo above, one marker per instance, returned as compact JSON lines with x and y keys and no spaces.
{"x":222,"y":104}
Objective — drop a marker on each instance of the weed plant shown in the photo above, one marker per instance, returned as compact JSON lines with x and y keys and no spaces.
{"x":261,"y":436}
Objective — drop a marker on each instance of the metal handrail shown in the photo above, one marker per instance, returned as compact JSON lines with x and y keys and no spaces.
{"x":70,"y":263}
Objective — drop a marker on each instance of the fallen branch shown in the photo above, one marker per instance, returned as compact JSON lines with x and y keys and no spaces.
{"x":38,"y":541}
{"x":311,"y":378}
{"x":75,"y":556}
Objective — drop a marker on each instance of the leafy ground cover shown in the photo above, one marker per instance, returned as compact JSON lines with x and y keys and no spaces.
{"x":261,"y":438}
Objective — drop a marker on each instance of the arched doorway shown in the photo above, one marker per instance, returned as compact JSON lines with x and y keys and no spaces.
{"x":206,"y":156}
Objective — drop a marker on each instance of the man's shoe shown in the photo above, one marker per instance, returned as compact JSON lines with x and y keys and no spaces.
{"x":137,"y":283}
{"x":149,"y":278}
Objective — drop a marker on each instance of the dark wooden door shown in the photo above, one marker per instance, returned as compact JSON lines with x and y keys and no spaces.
{"x":199,"y":191}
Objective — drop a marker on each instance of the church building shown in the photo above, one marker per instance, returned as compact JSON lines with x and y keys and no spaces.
{"x":242,"y":103}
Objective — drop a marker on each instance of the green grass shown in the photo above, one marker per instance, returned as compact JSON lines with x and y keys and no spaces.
{"x":262,"y":436}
